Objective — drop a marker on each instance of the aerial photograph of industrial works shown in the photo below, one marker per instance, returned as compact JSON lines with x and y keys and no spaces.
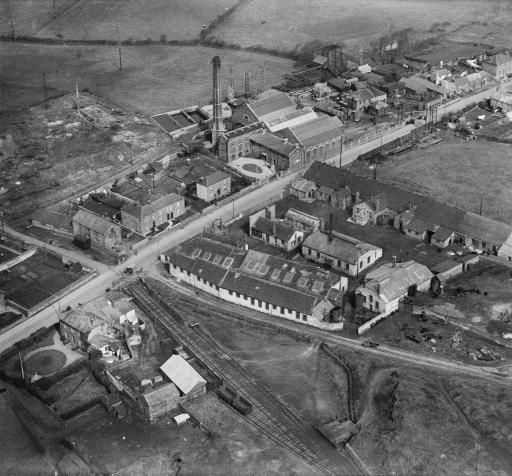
{"x":256,"y":237}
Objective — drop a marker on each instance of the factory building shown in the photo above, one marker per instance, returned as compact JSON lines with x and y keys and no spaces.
{"x":237,"y":143}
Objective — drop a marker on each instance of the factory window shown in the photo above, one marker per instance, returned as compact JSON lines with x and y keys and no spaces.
{"x":304,"y":317}
{"x":347,"y":266}
{"x":230,"y":293}
{"x":252,"y":301}
{"x":260,"y":304}
{"x":360,"y":264}
{"x":371,"y":298}
{"x":309,"y":251}
{"x":318,"y":254}
{"x":368,"y":260}
{"x":237,"y":295}
{"x":267,"y":306}
{"x":376,"y":304}
{"x":297,"y":315}
{"x":339,"y":263}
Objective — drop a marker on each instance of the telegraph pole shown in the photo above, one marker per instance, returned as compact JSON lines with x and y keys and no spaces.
{"x":2,"y":219}
{"x":118,"y":32}
{"x":54,"y":9}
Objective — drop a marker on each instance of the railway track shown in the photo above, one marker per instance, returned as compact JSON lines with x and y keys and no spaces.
{"x":269,"y":416}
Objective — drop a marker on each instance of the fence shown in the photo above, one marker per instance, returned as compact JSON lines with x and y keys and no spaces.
{"x":372,"y":322}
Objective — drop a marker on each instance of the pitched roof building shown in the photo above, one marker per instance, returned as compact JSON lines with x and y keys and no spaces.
{"x":259,"y":281}
{"x":183,"y":375}
{"x":101,"y":231}
{"x":390,"y":282}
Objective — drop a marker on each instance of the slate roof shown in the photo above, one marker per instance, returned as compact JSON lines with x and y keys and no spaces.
{"x":283,"y":231}
{"x":442,"y":234}
{"x":215,"y":178}
{"x":141,"y":211}
{"x":422,"y":85}
{"x":93,"y":222}
{"x":391,"y":281}
{"x":499,"y":59}
{"x":444,"y":266}
{"x":339,"y":246}
{"x":49,"y":217}
{"x":430,"y":211}
{"x":82,"y":321}
{"x":273,"y":143}
{"x":419,"y":226}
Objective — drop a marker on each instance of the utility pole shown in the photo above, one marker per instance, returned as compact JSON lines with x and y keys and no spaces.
{"x":2,"y":219}
{"x":54,"y":9}
{"x":481,"y":202}
{"x":118,"y":32}
{"x":341,"y":150}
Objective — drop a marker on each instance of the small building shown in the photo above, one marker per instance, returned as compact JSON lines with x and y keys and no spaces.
{"x":276,"y":233}
{"x":237,"y":143}
{"x":302,"y":221}
{"x":277,"y":152}
{"x":385,"y":286}
{"x":447,"y":269}
{"x":101,"y":232}
{"x":146,"y":216}
{"x":468,"y":261}
{"x":159,"y":402}
{"x":214,"y":186}
{"x":303,"y":188}
{"x":265,"y":109}
{"x":51,"y":220}
{"x":500,"y":65}
{"x":337,"y":432}
{"x":76,"y":326}
{"x":375,"y":211}
{"x":183,"y":375}
{"x":502,"y":100}
{"x":442,"y":237}
{"x":340,"y":252}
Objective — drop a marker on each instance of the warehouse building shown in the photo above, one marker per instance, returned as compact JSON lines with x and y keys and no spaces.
{"x":261,"y":282}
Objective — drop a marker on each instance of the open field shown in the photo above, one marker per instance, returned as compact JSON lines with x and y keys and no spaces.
{"x":29,"y":15}
{"x":283,"y":24}
{"x":137,"y":19}
{"x":457,"y":173}
{"x":154,"y":79}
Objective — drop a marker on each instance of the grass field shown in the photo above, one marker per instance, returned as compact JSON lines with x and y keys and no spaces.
{"x":154,"y":79}
{"x":282,"y":24}
{"x":137,"y":19}
{"x":457,"y":172}
{"x":29,"y":15}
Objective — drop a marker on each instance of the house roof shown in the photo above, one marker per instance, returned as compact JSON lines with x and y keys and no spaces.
{"x":82,"y":321}
{"x":338,"y":83}
{"x":182,"y":374}
{"x":391,"y":281}
{"x":421,"y":85}
{"x":292,"y":118}
{"x":304,"y":185}
{"x":273,"y":143}
{"x":215,"y":178}
{"x":317,"y":131}
{"x":279,"y":230}
{"x":324,"y":190}
{"x":506,"y":247}
{"x":419,"y":226}
{"x":365,"y":68}
{"x":293,"y":215}
{"x":430,"y":211}
{"x":161,"y":397}
{"x":442,"y":234}
{"x":99,"y":208}
{"x":339,"y":246}
{"x":499,"y":59}
{"x":264,"y":108}
{"x":49,"y":217}
{"x":93,"y":222}
{"x":141,"y":211}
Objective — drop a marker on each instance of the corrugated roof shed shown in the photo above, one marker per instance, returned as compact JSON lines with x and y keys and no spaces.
{"x":93,"y":222}
{"x":338,"y":246}
{"x":317,"y":131}
{"x":279,"y":103}
{"x":182,"y":374}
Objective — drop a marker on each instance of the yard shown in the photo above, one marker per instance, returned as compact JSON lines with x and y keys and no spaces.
{"x":456,"y":172}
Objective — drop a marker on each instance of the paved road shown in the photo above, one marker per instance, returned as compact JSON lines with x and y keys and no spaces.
{"x":175,"y":236}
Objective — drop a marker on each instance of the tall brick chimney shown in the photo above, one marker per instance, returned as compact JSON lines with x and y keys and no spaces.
{"x":218,"y":123}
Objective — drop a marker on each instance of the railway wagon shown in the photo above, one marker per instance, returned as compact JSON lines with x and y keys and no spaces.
{"x":227,"y":394}
{"x":242,"y":405}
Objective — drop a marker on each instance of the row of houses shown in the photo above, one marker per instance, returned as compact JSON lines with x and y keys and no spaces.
{"x":416,"y":216}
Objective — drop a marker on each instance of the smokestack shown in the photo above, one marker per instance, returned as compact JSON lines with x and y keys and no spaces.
{"x":231,"y":87}
{"x":218,"y":124}
{"x":246,"y":85}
